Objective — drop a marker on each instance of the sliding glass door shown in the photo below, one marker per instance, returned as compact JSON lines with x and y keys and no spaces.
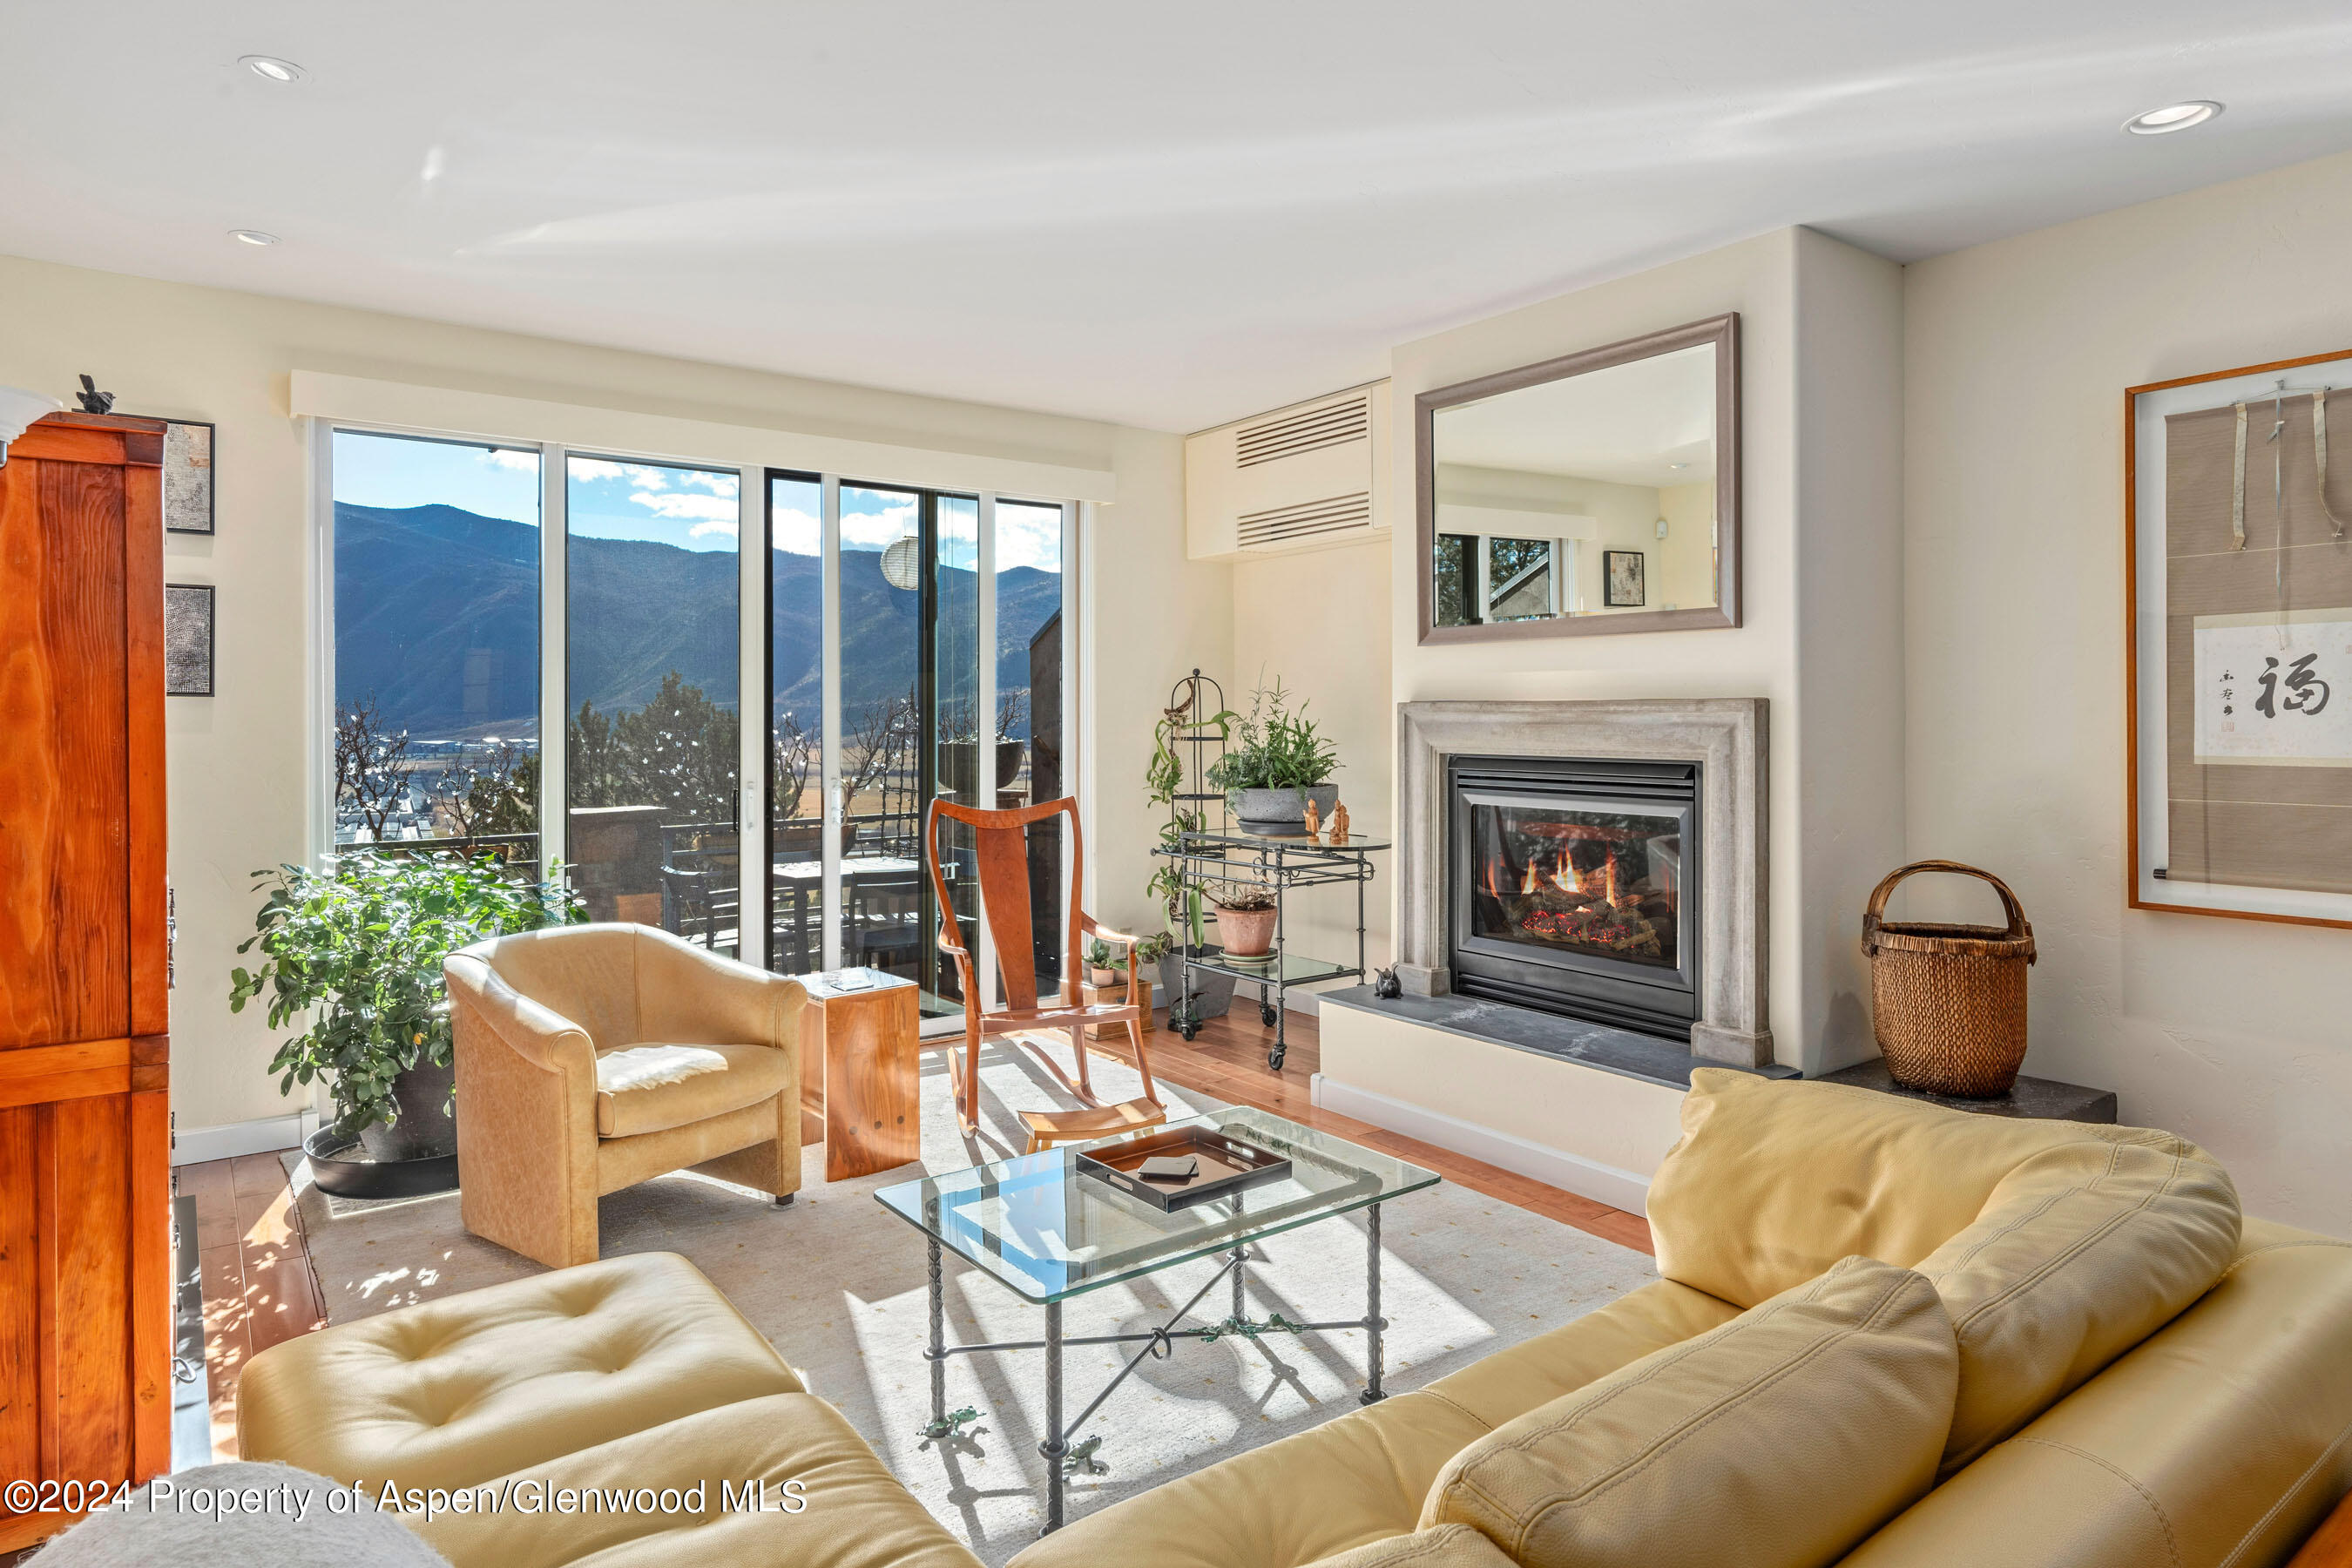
{"x":879,"y":602}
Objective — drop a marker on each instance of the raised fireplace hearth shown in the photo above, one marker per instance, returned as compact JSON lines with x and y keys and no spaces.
{"x":1595,"y":860}
{"x":1576,"y":887}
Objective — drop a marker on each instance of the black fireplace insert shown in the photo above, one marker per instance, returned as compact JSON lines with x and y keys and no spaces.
{"x":1575,"y":887}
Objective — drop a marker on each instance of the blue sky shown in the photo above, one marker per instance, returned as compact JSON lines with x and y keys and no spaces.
{"x":693,"y":509}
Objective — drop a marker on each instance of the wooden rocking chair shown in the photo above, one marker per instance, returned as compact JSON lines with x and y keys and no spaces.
{"x":1002,"y":846}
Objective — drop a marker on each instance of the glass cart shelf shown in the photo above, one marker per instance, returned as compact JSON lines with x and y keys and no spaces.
{"x":1286,"y":865}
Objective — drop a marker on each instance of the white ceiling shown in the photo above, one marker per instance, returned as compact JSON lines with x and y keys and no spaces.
{"x":1646,"y":422}
{"x":1164,"y":214}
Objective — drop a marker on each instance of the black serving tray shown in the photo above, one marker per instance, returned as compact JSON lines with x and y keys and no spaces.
{"x":1228,"y":1166}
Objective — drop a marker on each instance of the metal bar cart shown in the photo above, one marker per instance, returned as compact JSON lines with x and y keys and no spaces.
{"x":1287,"y":866}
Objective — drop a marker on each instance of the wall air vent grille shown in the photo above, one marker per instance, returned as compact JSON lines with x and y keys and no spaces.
{"x":1329,"y":425}
{"x":1286,"y":524}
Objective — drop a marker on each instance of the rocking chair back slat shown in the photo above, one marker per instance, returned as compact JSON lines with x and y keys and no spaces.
{"x":1001,"y":857}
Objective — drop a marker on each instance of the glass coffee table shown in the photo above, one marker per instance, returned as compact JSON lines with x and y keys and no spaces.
{"x":1048,"y":1233}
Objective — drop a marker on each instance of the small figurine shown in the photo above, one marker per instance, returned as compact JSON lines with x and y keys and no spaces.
{"x":1314,"y":821}
{"x":1339,"y":822}
{"x":1385,"y":985}
{"x":94,"y":401}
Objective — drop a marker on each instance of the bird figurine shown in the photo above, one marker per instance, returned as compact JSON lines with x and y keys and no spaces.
{"x":1314,"y":821}
{"x":1339,"y":822}
{"x":94,"y":401}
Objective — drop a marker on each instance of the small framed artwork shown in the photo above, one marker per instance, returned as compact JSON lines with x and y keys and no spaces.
{"x":2238,"y":587}
{"x":188,"y":639}
{"x":188,"y":476}
{"x":1624,"y":578}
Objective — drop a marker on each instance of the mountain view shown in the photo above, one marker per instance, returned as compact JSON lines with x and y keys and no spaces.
{"x":437,"y":616}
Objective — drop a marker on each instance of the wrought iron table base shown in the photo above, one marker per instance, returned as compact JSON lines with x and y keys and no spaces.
{"x":1061,"y":1458}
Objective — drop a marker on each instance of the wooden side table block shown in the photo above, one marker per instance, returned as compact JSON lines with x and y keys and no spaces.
{"x":1113,"y":995}
{"x":861,"y":1082}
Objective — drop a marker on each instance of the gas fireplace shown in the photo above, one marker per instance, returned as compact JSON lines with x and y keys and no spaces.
{"x":1575,"y":887}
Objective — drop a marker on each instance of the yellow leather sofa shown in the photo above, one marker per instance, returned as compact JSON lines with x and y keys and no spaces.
{"x":630,"y":1376}
{"x":593,"y":1057}
{"x":1887,"y":1336}
{"x":2140,"y":1377}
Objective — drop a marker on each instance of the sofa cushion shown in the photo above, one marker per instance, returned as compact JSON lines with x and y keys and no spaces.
{"x":853,"y":1514}
{"x":1358,"y":1480}
{"x":489,"y":1382}
{"x":1447,"y":1546}
{"x":1773,"y":1182}
{"x":2223,"y":1438}
{"x":1794,"y":1430}
{"x":652,"y":1086}
{"x":2081,"y":1252}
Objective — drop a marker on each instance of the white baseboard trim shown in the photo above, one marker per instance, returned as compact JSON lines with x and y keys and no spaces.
{"x":195,"y":1145}
{"x":1540,"y":1161}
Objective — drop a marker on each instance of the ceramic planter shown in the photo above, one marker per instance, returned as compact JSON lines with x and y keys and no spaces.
{"x":1245,"y":933}
{"x":425,"y":1130}
{"x":1276,"y":812}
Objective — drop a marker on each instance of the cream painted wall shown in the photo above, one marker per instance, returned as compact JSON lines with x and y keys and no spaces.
{"x":238,"y":761}
{"x":1156,"y":616}
{"x":2234,"y":1033}
{"x":1320,"y":622}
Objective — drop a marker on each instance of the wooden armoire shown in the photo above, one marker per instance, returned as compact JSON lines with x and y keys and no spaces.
{"x":85,"y":1131}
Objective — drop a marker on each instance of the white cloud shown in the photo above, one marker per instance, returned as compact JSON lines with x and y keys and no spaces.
{"x":508,"y":458}
{"x":717,"y":484}
{"x":876,"y":529}
{"x":644,"y":479}
{"x":707,"y":530}
{"x":595,"y":468}
{"x":676,"y":504}
{"x":1028,"y":536}
{"x":797,"y":532}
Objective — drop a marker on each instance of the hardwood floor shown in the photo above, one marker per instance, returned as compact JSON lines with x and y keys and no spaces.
{"x":258,"y":1288}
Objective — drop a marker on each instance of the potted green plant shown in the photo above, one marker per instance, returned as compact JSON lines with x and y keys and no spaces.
{"x":355,"y":950}
{"x":1245,"y":916}
{"x":1276,"y":763}
{"x":1102,"y":964}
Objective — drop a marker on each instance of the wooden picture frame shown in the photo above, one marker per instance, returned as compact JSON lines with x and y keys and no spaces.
{"x":188,"y":639}
{"x":1624,"y":586}
{"x":1721,"y":331}
{"x":2260,"y":534}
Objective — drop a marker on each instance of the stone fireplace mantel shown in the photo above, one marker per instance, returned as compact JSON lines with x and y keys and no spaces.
{"x":1727,"y":736}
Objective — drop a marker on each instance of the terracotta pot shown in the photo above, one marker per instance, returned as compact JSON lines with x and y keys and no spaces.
{"x":1245,"y":933}
{"x":1102,"y":976}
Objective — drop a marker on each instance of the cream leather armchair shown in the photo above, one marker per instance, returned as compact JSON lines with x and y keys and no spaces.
{"x":593,"y":1057}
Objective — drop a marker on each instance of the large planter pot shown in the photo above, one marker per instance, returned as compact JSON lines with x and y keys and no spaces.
{"x":1276,"y":811}
{"x":425,"y":1129}
{"x":1210,"y":995}
{"x":1245,"y":933}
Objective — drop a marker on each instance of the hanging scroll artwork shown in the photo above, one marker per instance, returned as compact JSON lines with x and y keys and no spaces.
{"x":2240,"y":594}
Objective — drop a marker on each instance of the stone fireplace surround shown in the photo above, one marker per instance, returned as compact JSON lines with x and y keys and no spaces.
{"x":1727,"y":736}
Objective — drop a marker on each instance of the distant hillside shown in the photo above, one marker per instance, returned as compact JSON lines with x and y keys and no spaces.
{"x":436,"y":615}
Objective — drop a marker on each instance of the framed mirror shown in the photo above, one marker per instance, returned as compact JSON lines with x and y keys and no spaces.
{"x":1598,"y":492}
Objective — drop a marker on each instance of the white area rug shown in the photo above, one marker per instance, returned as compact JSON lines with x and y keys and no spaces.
{"x":837,"y":1284}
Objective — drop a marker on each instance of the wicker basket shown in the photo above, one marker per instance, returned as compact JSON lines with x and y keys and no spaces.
{"x":1948,"y":1000}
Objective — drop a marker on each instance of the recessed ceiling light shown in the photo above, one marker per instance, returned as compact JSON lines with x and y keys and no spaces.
{"x":252,"y":237}
{"x":271,"y":68}
{"x":2172,"y":117}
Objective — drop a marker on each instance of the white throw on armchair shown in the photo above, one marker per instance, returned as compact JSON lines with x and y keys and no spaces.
{"x":593,"y":1057}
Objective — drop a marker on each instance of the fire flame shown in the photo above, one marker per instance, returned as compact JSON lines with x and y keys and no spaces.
{"x":1610,"y":887}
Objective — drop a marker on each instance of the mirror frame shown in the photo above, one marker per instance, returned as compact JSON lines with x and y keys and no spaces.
{"x":1723,"y":332}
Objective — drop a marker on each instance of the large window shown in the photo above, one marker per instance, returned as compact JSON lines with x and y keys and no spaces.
{"x":889,"y":645}
{"x":436,"y":682}
{"x":653,"y":723}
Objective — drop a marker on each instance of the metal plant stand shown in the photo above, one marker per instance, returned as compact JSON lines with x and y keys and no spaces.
{"x":1288,"y":865}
